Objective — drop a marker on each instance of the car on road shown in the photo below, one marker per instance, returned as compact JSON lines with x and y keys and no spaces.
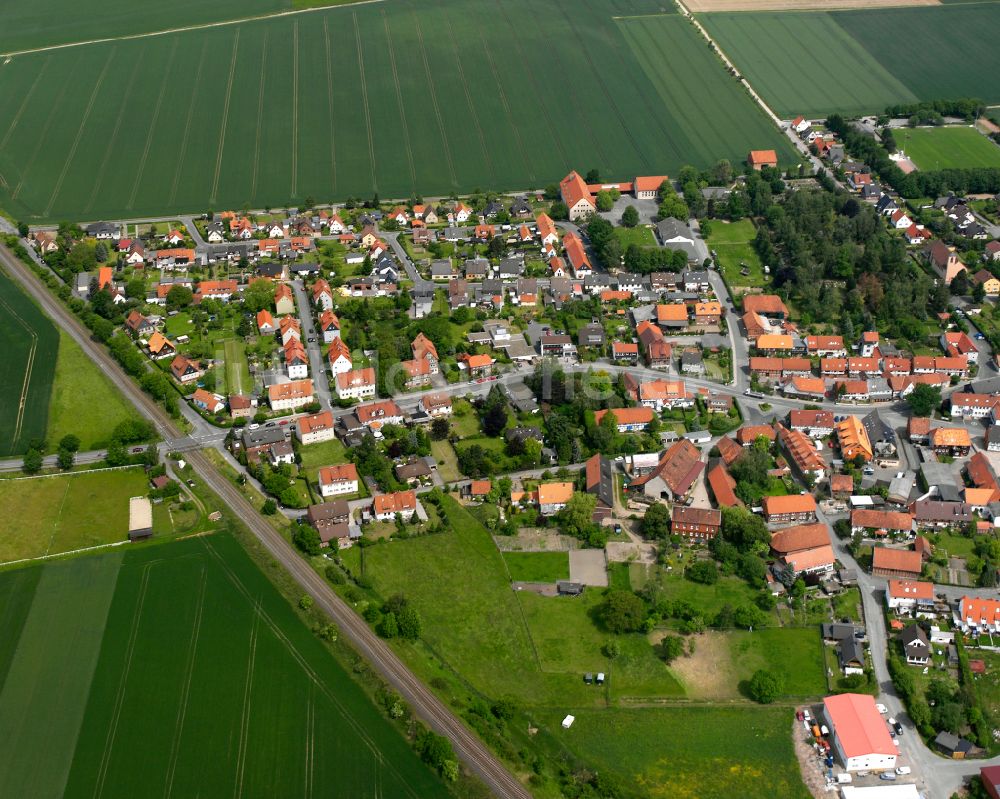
{"x":270,"y":424}
{"x":136,"y":450}
{"x":252,"y":426}
{"x":881,"y":708}
{"x":980,"y":336}
{"x":868,"y":470}
{"x":283,"y":422}
{"x":312,"y":339}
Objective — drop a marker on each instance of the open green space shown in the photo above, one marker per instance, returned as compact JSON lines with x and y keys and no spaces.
{"x":691,"y":752}
{"x":942,"y":51}
{"x":397,"y":98}
{"x":794,"y":653}
{"x":29,"y":342}
{"x":84,"y":401}
{"x":640,"y":235}
{"x":733,"y":244}
{"x":247,"y":700}
{"x":65,"y":512}
{"x":947,"y":148}
{"x":805,"y":63}
{"x":537,"y":567}
{"x":238,"y":380}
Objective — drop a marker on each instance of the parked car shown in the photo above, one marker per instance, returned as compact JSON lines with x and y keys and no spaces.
{"x":897,"y":727}
{"x":881,"y":708}
{"x":902,"y":770}
{"x":887,"y":775}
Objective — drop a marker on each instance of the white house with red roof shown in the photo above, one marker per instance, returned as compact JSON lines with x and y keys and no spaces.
{"x":860,"y":736}
{"x":577,"y":196}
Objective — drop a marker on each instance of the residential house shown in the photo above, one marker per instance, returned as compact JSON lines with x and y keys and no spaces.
{"x":553,"y":497}
{"x":284,"y":301}
{"x":769,"y":306}
{"x":629,"y":420}
{"x":953,"y":441}
{"x":329,"y":326}
{"x":296,"y":359}
{"x":339,"y":357}
{"x":186,"y":370}
{"x":338,"y":480}
{"x":929,"y":514}
{"x":291,"y":395}
{"x":159,"y":347}
{"x":385,"y":507}
{"x":815,"y":424}
{"x":674,"y":475}
{"x":853,"y":439}
{"x":577,"y":196}
{"x":977,"y":616}
{"x":332,"y":520}
{"x":322,"y":295}
{"x":916,"y":647}
{"x":789,"y":508}
{"x":902,"y":563}
{"x":375,"y":415}
{"x":698,"y":524}
{"x":207,"y":401}
{"x":873,"y":523}
{"x":315,"y":428}
{"x":723,"y":487}
{"x":802,"y":453}
{"x":909,"y":596}
{"x":436,"y":405}
{"x":356,"y":384}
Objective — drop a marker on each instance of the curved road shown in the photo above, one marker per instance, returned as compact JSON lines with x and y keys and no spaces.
{"x":472,"y":752}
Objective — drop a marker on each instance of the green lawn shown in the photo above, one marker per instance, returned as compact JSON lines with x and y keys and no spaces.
{"x":537,"y":567}
{"x":464,"y":419}
{"x":806,"y":63}
{"x":248,"y":700}
{"x":845,"y":605}
{"x":84,"y":401}
{"x":238,"y":380}
{"x":29,"y":342}
{"x":639,"y":235}
{"x":447,"y":460}
{"x":956,"y":545}
{"x":690,"y":752}
{"x":326,"y":453}
{"x":796,"y":653}
{"x":733,"y":243}
{"x":61,"y":513}
{"x":948,"y":148}
{"x":397,"y":98}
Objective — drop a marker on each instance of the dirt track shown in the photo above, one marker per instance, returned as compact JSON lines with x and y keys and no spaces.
{"x":708,"y":6}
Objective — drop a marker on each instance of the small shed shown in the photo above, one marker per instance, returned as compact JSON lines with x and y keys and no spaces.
{"x":953,"y":746}
{"x":140,"y":518}
{"x":567,"y":588}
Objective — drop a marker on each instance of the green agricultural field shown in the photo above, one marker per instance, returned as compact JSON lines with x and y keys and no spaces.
{"x":946,"y":148}
{"x":805,"y":63}
{"x":667,"y":47}
{"x":691,"y":752}
{"x":179,"y":667}
{"x":397,"y":98}
{"x":84,"y":401}
{"x":537,"y":567}
{"x":62,"y":513}
{"x":29,"y":343}
{"x":733,"y":243}
{"x":944,"y":51}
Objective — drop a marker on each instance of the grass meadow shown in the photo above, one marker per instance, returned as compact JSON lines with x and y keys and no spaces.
{"x":29,"y":342}
{"x":180,"y":667}
{"x":946,"y":148}
{"x":537,"y":567}
{"x":733,"y":243}
{"x":395,"y":98}
{"x":84,"y":400}
{"x":64,"y":512}
{"x":692,"y":752}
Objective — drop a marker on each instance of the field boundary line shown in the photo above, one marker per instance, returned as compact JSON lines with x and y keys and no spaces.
{"x":99,"y":181}
{"x":260,"y":114}
{"x":304,"y":664}
{"x":553,"y":129}
{"x":187,"y":127}
{"x":241,"y":752}
{"x":329,"y":106}
{"x":175,"y":746}
{"x":79,"y":131}
{"x":185,"y":28}
{"x":506,"y":106}
{"x":295,"y":109}
{"x":24,"y":103}
{"x":310,"y":747}
{"x":43,"y":134}
{"x":122,"y":683}
{"x":152,"y":125}
{"x":69,"y":474}
{"x":399,"y":101}
{"x":55,"y":524}
{"x":468,"y":100}
{"x":29,"y":367}
{"x":364,"y":97}
{"x":434,"y":101}
{"x":225,"y":117}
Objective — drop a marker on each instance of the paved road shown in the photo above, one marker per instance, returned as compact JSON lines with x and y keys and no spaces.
{"x":937,"y":777}
{"x":468,"y":747}
{"x":317,"y":367}
{"x":419,"y":282}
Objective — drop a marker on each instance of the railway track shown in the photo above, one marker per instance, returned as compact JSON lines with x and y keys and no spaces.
{"x":470,"y":750}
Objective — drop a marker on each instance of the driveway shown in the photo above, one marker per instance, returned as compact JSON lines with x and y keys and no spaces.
{"x":317,"y":367}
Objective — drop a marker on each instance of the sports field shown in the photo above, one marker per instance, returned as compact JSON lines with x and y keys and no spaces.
{"x":945,"y":148}
{"x":397,"y":98}
{"x":29,"y":342}
{"x":178,"y":670}
{"x":805,"y":63}
{"x":65,"y":512}
{"x":860,"y":61}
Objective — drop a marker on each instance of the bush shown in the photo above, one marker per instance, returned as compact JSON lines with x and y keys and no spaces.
{"x":704,"y":571}
{"x":765,"y":686}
